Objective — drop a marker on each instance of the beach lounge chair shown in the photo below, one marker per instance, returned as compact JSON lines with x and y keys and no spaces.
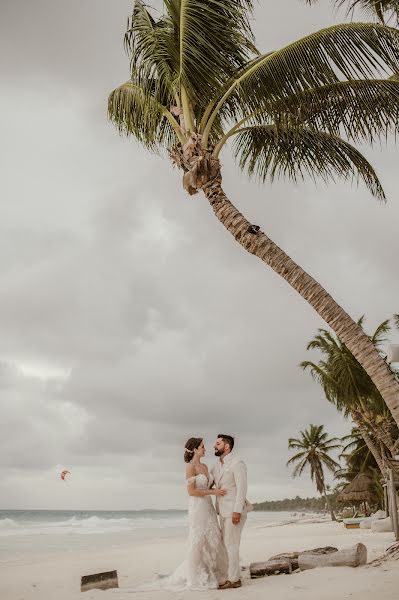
{"x":353,"y":523}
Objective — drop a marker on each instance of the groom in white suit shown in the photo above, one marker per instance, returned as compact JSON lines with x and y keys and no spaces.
{"x":230,"y":474}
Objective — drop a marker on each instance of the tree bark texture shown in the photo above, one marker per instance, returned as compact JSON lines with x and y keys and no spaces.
{"x":270,"y":567}
{"x":370,"y":445}
{"x":381,"y":433}
{"x":329,"y":507}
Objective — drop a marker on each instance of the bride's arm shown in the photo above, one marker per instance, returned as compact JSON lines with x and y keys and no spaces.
{"x":192,"y":489}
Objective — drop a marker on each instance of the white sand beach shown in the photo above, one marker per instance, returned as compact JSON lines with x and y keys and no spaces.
{"x":57,"y":577}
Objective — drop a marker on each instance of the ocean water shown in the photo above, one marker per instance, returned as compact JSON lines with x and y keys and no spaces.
{"x":24,"y":533}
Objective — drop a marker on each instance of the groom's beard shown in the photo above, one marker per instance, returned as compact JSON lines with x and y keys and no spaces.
{"x":219,"y":452}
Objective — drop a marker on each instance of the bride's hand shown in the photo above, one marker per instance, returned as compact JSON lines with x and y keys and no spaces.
{"x":220,"y":492}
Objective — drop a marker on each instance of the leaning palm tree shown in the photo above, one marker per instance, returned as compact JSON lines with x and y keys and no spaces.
{"x":197,"y":81}
{"x":347,"y":385}
{"x":314,"y":447}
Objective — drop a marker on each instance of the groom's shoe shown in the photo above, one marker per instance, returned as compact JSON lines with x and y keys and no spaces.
{"x":230,"y":584}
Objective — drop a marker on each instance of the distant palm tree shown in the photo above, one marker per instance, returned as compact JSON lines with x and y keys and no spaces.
{"x":198,"y":81}
{"x":314,"y":446}
{"x":347,"y":385}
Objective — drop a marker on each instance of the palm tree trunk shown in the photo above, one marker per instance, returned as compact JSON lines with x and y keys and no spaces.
{"x":372,"y":447}
{"x":383,"y":437}
{"x":363,"y":421}
{"x":389,"y":442}
{"x":330,"y":508}
{"x":257,"y":243}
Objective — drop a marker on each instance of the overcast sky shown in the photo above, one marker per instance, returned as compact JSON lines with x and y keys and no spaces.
{"x":129,"y":319}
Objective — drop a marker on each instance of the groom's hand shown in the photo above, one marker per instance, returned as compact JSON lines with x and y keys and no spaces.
{"x":236,"y":518}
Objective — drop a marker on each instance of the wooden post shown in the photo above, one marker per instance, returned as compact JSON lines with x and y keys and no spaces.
{"x":394,"y":505}
{"x":386,"y":498}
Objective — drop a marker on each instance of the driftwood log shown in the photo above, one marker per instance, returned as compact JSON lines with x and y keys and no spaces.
{"x":284,"y":563}
{"x":293,"y":556}
{"x":99,"y":581}
{"x":327,"y":556}
{"x":349,"y":557}
{"x":270,"y":567}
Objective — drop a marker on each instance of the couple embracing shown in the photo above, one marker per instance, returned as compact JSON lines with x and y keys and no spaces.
{"x":213,"y":554}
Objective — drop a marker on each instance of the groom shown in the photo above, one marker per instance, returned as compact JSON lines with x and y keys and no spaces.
{"x":230,"y":473}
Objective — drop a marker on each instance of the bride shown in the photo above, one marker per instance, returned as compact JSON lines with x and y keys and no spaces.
{"x":206,"y":564}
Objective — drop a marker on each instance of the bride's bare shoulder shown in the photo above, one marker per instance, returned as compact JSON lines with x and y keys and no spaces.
{"x":190,"y":471}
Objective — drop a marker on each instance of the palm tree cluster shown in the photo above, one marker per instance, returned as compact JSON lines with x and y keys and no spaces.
{"x":197,"y":80}
{"x":374,"y":436}
{"x":347,"y":385}
{"x":314,"y":454}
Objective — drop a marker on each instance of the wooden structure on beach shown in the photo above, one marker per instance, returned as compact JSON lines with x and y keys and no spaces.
{"x":358,"y":491}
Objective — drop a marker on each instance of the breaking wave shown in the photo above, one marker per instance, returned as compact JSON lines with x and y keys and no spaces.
{"x":33,"y":524}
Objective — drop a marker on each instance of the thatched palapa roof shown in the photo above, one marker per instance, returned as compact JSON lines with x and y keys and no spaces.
{"x":360,"y":489}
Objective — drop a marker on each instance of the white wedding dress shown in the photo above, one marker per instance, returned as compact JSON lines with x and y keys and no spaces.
{"x":206,"y":563}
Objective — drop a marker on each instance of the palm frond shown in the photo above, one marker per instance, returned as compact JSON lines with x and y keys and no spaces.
{"x":331,"y":444}
{"x":294,"y":443}
{"x":364,"y":110}
{"x":379,"y":335}
{"x":328,"y":462}
{"x":384,"y":10}
{"x":323,"y":341}
{"x":214,"y":38}
{"x":137,"y":113}
{"x":296,"y":457}
{"x":153,"y":51}
{"x":344,"y":381}
{"x":299,"y":469}
{"x":270,"y":151}
{"x":348,"y":51}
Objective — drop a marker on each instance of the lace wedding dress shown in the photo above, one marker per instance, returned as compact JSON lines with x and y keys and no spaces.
{"x":206,"y":563}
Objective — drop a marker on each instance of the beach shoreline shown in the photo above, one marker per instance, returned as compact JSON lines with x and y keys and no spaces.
{"x":57,"y":576}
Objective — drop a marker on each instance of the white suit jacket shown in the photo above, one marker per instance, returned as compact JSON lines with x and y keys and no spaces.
{"x":232,"y":477}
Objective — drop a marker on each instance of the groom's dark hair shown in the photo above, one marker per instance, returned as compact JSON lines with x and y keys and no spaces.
{"x":228,"y":439}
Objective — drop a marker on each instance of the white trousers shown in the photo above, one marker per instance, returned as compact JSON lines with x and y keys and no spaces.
{"x":231,"y":538}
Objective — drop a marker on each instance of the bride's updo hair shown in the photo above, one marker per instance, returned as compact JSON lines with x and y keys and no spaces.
{"x":191,"y":445}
